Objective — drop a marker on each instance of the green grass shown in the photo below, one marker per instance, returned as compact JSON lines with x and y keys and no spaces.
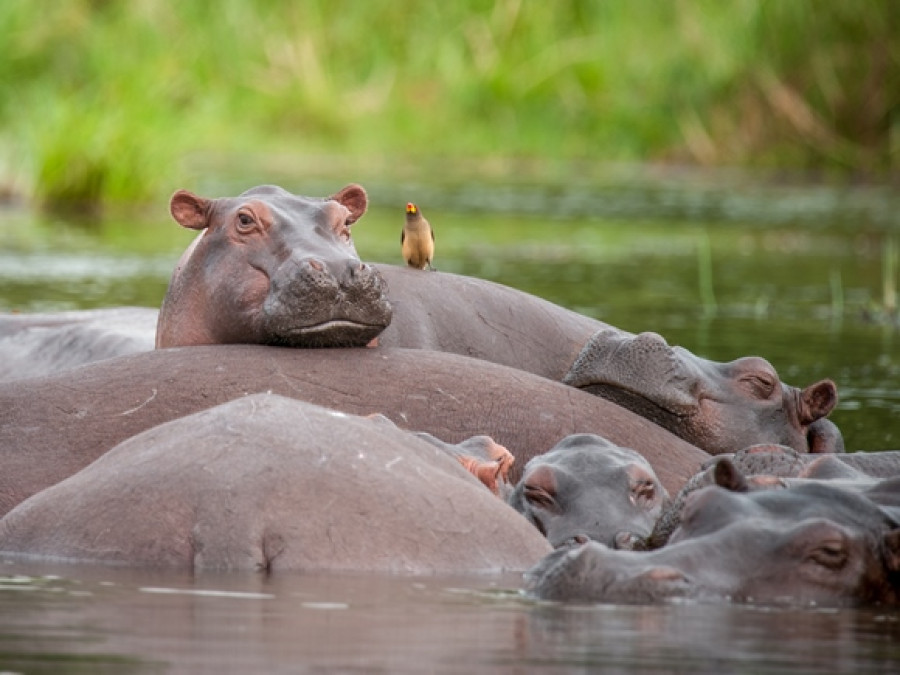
{"x":125,"y":101}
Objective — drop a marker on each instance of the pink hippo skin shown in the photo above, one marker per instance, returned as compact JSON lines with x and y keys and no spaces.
{"x":270,"y":483}
{"x":54,"y":426}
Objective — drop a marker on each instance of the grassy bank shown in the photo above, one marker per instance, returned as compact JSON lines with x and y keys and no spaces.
{"x":115,"y":101}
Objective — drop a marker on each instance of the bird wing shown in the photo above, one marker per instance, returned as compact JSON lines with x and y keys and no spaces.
{"x":402,"y":235}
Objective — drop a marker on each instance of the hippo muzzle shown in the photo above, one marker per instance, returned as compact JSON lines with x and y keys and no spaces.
{"x":311,"y":304}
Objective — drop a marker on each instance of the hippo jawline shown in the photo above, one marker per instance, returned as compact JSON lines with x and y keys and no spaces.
{"x":331,"y":333}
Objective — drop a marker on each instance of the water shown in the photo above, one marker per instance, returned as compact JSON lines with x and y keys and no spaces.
{"x":69,"y":619}
{"x":798,"y":277}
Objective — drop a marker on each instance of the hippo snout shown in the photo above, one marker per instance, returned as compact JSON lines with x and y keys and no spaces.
{"x":315,"y":304}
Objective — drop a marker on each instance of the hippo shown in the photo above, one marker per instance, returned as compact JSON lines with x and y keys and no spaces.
{"x":766,"y":467}
{"x":45,"y":343}
{"x":720,"y":407}
{"x":55,"y":425}
{"x":270,"y":267}
{"x":480,"y":455}
{"x":813,"y":544}
{"x":586,"y":486}
{"x":268,"y":483}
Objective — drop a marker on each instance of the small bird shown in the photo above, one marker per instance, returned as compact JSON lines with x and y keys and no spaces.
{"x":417,"y":239}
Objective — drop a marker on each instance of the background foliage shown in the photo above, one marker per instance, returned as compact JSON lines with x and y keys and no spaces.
{"x":118,"y":101}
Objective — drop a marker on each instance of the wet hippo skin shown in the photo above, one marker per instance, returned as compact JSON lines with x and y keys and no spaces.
{"x":812,"y":544}
{"x":270,"y":483}
{"x":56,"y":425}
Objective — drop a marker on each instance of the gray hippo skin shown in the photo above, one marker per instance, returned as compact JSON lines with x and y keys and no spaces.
{"x":270,"y":483}
{"x":720,"y":407}
{"x":766,"y":467}
{"x":47,"y":343}
{"x":452,"y":313}
{"x":270,"y":267}
{"x":587,"y":487}
{"x":813,"y":544}
{"x":54,"y":426}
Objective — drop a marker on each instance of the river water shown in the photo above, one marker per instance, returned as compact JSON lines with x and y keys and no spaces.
{"x":801,"y":276}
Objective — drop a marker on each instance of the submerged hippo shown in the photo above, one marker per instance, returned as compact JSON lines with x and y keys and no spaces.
{"x":270,"y":267}
{"x":586,"y":486}
{"x":766,"y":467}
{"x":812,"y":544}
{"x":54,"y":426}
{"x":47,"y":343}
{"x":270,"y":483}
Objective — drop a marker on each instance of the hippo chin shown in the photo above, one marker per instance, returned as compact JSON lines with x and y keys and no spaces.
{"x":270,"y":267}
{"x":720,"y":407}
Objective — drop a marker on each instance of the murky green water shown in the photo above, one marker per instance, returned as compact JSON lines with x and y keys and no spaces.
{"x":800,"y":282}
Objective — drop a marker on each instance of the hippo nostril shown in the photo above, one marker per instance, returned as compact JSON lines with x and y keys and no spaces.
{"x":316,"y":265}
{"x":355,"y":268}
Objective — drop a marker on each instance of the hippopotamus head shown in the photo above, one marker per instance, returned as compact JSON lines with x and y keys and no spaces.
{"x":719,"y":407}
{"x":587,"y":487}
{"x":270,"y":267}
{"x":812,"y":544}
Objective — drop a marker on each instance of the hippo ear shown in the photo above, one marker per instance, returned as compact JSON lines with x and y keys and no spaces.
{"x":817,"y":400}
{"x":642,"y":487}
{"x":354,"y":198}
{"x":727,"y":476}
{"x":189,"y":210}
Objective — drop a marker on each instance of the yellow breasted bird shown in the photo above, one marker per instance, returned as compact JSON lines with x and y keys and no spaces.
{"x":417,"y":239}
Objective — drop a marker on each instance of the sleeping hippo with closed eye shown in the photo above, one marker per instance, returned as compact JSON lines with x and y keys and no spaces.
{"x":814,"y":544}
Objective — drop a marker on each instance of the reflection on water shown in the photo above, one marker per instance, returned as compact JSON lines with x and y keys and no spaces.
{"x":88,"y":620}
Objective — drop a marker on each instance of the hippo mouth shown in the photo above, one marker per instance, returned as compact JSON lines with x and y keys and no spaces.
{"x":331,"y":333}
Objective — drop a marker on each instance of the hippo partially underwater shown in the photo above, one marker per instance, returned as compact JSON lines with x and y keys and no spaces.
{"x":444,"y":354}
{"x":269,"y":483}
{"x":56,"y":425}
{"x":816,"y":544}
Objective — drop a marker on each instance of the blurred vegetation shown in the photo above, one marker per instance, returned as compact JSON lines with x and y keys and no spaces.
{"x":105,"y":101}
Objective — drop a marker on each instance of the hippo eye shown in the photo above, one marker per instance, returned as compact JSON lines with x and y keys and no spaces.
{"x":761,"y":385}
{"x":830,"y":554}
{"x":245,"y":222}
